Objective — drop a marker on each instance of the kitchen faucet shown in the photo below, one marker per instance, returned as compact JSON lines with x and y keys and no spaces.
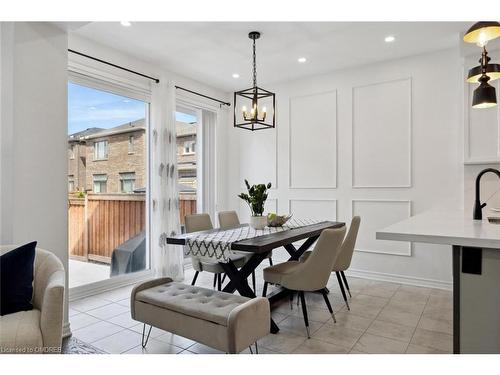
{"x":478,"y":207}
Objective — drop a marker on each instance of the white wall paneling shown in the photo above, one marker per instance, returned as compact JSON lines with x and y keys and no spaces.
{"x":313,"y":141}
{"x":377,"y":214}
{"x":258,"y":157}
{"x":482,"y":130}
{"x":316,"y":209}
{"x":381,"y":134}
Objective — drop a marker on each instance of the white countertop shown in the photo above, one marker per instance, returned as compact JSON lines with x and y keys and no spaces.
{"x":445,"y":227}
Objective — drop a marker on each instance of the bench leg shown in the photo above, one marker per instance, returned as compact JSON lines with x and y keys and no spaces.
{"x":195,"y":277}
{"x":144,"y":343}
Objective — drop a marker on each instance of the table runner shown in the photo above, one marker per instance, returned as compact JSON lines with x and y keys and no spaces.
{"x":216,"y":246}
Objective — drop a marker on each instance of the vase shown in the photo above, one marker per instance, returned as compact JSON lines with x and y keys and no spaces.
{"x":258,"y":222}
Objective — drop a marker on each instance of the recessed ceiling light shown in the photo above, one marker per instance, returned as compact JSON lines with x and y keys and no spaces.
{"x":125,"y":23}
{"x":236,"y":75}
{"x":389,"y":39}
{"x":301,"y":60}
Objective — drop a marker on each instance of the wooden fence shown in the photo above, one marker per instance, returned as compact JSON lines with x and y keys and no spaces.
{"x":99,"y":223}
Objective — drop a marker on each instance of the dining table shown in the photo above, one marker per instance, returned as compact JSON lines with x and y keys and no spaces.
{"x":217,"y":244}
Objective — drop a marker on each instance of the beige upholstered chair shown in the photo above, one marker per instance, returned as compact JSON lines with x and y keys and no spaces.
{"x":200,"y":222}
{"x":228,"y":220}
{"x":343,"y":261}
{"x":309,"y":275}
{"x":38,"y":330}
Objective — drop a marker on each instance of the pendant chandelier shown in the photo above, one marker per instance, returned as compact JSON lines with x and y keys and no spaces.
{"x":251,"y":106}
{"x":481,"y":33}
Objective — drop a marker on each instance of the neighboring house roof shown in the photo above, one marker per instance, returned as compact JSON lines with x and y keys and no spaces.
{"x":84,"y":133}
{"x":100,"y":132}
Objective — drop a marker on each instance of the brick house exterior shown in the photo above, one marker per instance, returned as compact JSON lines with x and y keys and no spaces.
{"x":121,"y":155}
{"x":118,"y":165}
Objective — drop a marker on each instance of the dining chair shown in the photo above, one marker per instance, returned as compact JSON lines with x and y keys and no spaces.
{"x":200,"y":222}
{"x":343,"y":261}
{"x":310,"y":275}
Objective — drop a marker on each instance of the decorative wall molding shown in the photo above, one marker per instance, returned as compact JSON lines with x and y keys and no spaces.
{"x":408,"y":252}
{"x":410,"y":135}
{"x":335,"y":201}
{"x":290,"y":158}
{"x":484,"y":118}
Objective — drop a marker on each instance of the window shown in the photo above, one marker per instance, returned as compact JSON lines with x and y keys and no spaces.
{"x":131,"y":144}
{"x":100,"y":182}
{"x":72,"y":151}
{"x":127,"y":181}
{"x":71,"y":183}
{"x":189,"y":147}
{"x":100,"y":150}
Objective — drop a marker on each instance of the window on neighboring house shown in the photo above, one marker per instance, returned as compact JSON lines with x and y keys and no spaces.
{"x":189,"y":147}
{"x":100,"y":182}
{"x":72,"y":151}
{"x":127,"y":182}
{"x":71,"y":183}
{"x":131,"y":144}
{"x":100,"y":150}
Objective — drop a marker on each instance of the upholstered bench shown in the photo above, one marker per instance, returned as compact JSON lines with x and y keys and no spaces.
{"x":223,"y":321}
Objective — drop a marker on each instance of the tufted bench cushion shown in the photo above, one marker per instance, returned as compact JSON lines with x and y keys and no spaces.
{"x":221,"y":320}
{"x":193,"y":301}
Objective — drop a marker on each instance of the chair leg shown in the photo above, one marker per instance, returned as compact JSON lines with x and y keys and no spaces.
{"x":144,"y":343}
{"x":256,"y":348}
{"x":304,"y":312}
{"x":327,"y":301}
{"x":346,"y":283}
{"x":264,"y":289}
{"x":253,"y":281}
{"x":342,"y":289}
{"x":215,"y":280}
{"x":271,"y":262}
{"x":291,"y":300}
{"x":251,"y":351}
{"x":195,"y":277}
{"x":224,"y":278}
{"x":219,"y":282}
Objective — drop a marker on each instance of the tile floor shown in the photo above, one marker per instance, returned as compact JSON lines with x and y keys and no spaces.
{"x":384,"y":318}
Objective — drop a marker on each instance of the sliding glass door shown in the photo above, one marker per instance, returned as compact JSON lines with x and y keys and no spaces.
{"x":107,"y":184}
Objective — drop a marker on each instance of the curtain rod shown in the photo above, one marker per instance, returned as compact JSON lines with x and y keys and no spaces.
{"x":205,"y":96}
{"x":113,"y":65}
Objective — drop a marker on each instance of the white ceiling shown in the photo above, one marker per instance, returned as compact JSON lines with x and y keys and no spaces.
{"x":212,"y":51}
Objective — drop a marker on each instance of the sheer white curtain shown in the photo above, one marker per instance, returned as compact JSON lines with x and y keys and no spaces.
{"x":167,"y":260}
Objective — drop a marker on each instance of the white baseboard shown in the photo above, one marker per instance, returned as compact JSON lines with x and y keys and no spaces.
{"x":401,"y":279}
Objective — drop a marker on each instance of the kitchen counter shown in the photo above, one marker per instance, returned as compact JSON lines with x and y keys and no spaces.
{"x":476,"y":272}
{"x":444,"y":227}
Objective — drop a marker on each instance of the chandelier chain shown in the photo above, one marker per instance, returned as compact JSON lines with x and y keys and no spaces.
{"x":254,"y":65}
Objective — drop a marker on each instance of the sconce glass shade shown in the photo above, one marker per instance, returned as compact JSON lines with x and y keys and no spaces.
{"x":482,"y":32}
{"x":484,"y":95}
{"x":492,"y":71}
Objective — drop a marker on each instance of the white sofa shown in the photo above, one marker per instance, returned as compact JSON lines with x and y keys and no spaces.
{"x":38,"y":330}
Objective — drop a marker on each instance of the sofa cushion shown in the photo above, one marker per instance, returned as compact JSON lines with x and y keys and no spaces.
{"x":16,"y":279}
{"x":20,"y":330}
{"x":193,"y":301}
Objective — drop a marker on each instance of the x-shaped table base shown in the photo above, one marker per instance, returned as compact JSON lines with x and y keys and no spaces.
{"x":238,"y":278}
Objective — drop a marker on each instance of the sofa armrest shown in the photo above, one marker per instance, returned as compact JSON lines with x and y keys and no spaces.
{"x":143,"y":286}
{"x":52,"y":310}
{"x":248,"y":323}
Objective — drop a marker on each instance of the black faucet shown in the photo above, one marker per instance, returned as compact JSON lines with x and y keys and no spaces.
{"x":478,"y":207}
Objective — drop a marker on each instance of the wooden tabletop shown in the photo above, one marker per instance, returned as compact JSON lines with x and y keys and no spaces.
{"x":268,"y":242}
